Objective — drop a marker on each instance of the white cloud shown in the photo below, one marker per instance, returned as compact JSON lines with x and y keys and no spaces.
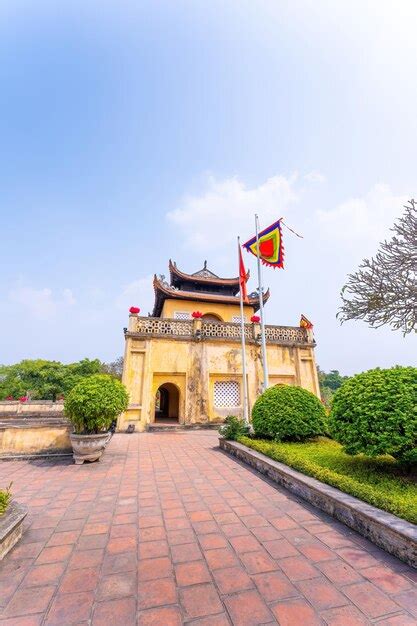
{"x":315,"y":177}
{"x":359,"y":224}
{"x":137,"y":293}
{"x":41,"y":303}
{"x":226,"y":208}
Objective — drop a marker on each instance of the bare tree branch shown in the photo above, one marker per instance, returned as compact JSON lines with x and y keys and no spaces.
{"x":384,"y":288}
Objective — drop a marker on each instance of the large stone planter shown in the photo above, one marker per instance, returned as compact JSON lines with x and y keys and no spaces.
{"x":88,"y":447}
{"x":11,"y":527}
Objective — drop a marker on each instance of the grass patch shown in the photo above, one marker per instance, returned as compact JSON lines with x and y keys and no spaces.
{"x":380,"y":481}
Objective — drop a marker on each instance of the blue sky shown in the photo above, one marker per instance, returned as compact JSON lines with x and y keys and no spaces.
{"x":138,"y":131}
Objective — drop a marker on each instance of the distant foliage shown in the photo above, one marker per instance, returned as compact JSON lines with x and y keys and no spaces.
{"x":5,"y":499}
{"x":287,"y":413}
{"x":114,"y":368}
{"x":329,"y":383}
{"x":233,"y":428}
{"x":376,"y":413}
{"x":43,"y":380}
{"x":384,"y":288}
{"x":94,"y":403}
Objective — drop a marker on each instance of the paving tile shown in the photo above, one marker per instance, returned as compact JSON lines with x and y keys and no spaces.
{"x":357,"y":558}
{"x":116,"y":586}
{"x":150,"y":549}
{"x":213,"y":620}
{"x":86,"y":558}
{"x":152,"y":569}
{"x":70,"y":608}
{"x":186,"y":552}
{"x":54,"y":554}
{"x":257,"y":562}
{"x":115,"y":563}
{"x":274,"y":586}
{"x":29,"y":620}
{"x":244,"y":543}
{"x":339,"y":572}
{"x":212,"y":541}
{"x":76,"y":580}
{"x":220,"y":557}
{"x":121,"y":544}
{"x":370,"y":600}
{"x":121,"y":611}
{"x":248,"y":609}
{"x":297,"y":568}
{"x":200,"y":601}
{"x":164,"y":616}
{"x":192,"y":573}
{"x":408,"y":600}
{"x":156,"y":593}
{"x":232,"y":579}
{"x":29,"y":600}
{"x":280,"y":548}
{"x":43,"y":574}
{"x":387,"y":580}
{"x":344,"y":616}
{"x":321,"y":594}
{"x":295,"y":612}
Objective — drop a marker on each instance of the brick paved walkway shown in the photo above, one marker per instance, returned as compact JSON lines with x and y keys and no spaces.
{"x":168,"y":530}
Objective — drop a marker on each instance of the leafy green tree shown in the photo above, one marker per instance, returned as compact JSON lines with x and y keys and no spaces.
{"x":42,"y":379}
{"x":329,"y":384}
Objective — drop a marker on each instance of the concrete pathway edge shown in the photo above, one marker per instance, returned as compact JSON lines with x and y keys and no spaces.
{"x":392,"y":534}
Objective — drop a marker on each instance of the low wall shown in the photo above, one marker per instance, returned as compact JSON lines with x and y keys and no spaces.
{"x":32,"y":407}
{"x":34,"y":438}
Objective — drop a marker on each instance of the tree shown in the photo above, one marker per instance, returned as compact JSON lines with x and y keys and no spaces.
{"x":43,"y":380}
{"x":384,"y":289}
{"x":329,"y":384}
{"x":114,"y":368}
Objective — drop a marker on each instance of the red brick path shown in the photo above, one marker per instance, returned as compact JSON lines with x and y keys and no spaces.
{"x":168,"y":530}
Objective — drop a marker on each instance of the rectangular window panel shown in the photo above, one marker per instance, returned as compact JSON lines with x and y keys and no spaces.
{"x":182,"y":315}
{"x":226,"y":394}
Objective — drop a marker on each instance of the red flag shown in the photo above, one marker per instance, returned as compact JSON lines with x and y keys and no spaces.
{"x":242,"y":277}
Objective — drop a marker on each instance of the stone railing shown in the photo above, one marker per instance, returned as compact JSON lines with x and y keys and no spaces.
{"x":199,"y":329}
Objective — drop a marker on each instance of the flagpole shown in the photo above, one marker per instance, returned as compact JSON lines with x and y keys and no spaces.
{"x":261,"y":309}
{"x":243,"y":339}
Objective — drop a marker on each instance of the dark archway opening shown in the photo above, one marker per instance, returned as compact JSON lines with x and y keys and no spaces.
{"x":167,"y":403}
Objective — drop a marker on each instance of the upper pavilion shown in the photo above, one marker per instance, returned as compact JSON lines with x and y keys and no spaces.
{"x":215,"y":297}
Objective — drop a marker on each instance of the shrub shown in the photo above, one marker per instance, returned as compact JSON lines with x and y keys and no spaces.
{"x":376,"y":413}
{"x":94,"y":403}
{"x":286,"y":413}
{"x":233,"y":428}
{"x":5,"y":498}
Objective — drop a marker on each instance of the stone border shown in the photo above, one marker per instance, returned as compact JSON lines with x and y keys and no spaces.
{"x":396,"y":536}
{"x":11,"y":527}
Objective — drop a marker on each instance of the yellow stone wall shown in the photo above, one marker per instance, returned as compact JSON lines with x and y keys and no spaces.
{"x":34,"y":439}
{"x":194,"y":366}
{"x":226,"y":312}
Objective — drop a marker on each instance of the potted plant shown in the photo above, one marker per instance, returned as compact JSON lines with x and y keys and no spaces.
{"x":91,"y":406}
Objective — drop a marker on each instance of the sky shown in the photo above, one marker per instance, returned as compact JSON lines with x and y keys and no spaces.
{"x":136,"y":132}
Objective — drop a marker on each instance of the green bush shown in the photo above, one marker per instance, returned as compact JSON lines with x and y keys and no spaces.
{"x":5,"y":498}
{"x":376,"y":413}
{"x":233,"y":428}
{"x":287,"y":413}
{"x":94,"y":403}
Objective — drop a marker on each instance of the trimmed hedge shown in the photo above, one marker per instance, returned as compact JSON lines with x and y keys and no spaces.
{"x":287,"y":413}
{"x":94,"y":403}
{"x":233,"y":428}
{"x":376,"y":413}
{"x":379,"y":481}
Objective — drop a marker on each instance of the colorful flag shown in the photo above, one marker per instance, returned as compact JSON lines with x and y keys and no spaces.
{"x":243,"y":277}
{"x":305,"y":323}
{"x":271,"y":250}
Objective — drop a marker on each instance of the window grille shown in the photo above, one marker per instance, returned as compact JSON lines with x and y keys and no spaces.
{"x":226,"y":394}
{"x":236,"y":319}
{"x":182,"y":315}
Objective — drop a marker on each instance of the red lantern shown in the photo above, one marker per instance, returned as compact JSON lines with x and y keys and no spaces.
{"x":134,"y":310}
{"x":23,"y":399}
{"x":9,"y":398}
{"x":196,"y":315}
{"x":255,"y":319}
